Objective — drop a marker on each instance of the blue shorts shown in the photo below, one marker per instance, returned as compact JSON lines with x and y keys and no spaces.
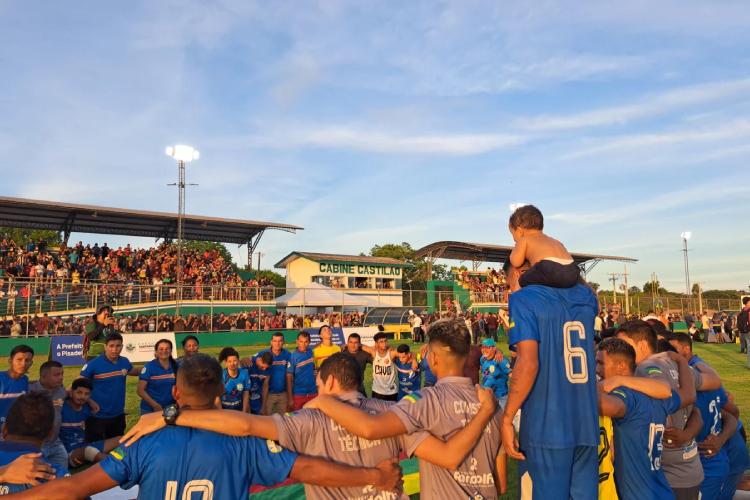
{"x":560,"y":474}
{"x":715,"y":472}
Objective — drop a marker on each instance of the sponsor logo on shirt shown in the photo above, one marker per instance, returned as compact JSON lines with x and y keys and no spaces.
{"x":413,"y":397}
{"x":118,"y":453}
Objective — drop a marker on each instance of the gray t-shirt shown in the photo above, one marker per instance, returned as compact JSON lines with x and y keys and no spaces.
{"x":58,"y":398}
{"x":682,"y":466}
{"x":312,"y":433}
{"x":443,"y":410}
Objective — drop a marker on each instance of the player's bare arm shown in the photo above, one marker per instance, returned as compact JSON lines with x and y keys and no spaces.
{"x":501,"y":471}
{"x":358,"y":422}
{"x":141,"y":391}
{"x":710,"y":379}
{"x":231,"y":423}
{"x":518,"y":254}
{"x":677,"y":438}
{"x":653,"y":388}
{"x":449,"y":455}
{"x":713,"y":443}
{"x":27,"y":469}
{"x":610,"y":406}
{"x":386,"y":476}
{"x":524,"y":375}
{"x":89,"y":482}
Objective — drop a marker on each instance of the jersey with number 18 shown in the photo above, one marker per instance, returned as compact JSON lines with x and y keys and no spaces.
{"x":561,"y":411}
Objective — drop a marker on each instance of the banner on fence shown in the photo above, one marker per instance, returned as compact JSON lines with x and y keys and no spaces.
{"x":139,"y":347}
{"x":337,"y":336}
{"x":67,"y":349}
{"x":366,"y":332}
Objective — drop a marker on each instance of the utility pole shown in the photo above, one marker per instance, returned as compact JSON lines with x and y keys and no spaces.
{"x":259,"y":256}
{"x":700,"y":297}
{"x":627,"y":298}
{"x":613,"y":279}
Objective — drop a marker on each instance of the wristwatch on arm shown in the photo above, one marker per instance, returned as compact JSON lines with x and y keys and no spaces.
{"x":170,"y":414}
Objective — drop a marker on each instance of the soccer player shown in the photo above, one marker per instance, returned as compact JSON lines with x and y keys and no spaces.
{"x":384,"y":378}
{"x":108,"y":373}
{"x":259,"y":373}
{"x":190,"y":346}
{"x":300,"y":374}
{"x":322,"y":351}
{"x":208,"y":464}
{"x":75,"y":412}
{"x":495,"y":371}
{"x":429,"y":378}
{"x":554,"y":382}
{"x":279,"y":393}
{"x":639,"y":422}
{"x":736,"y":453}
{"x":680,"y":461}
{"x":312,"y":431}
{"x":236,"y":382}
{"x":407,"y":368}
{"x":718,"y":426}
{"x":441,"y":410}
{"x":363,"y":358}
{"x":51,"y":383}
{"x":29,"y":423}
{"x":15,"y":382}
{"x":157,"y":378}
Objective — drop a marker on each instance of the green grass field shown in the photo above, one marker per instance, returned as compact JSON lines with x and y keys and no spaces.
{"x":725,"y":358}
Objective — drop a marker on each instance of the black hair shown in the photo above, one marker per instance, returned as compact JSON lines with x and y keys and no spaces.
{"x":303,"y":334}
{"x":277,"y":334}
{"x":172,"y":361}
{"x":745,"y":300}
{"x":190,"y":337}
{"x":527,"y":217}
{"x":451,"y":333}
{"x":506,"y":266}
{"x":82,"y":382}
{"x":31,"y":415}
{"x":620,"y":349}
{"x":227,"y":352}
{"x":343,"y":368}
{"x":402,"y":349}
{"x":608,"y":332}
{"x":266,"y":357}
{"x":663,"y":345}
{"x":20,"y":348}
{"x":638,"y":330}
{"x":202,"y":376}
{"x":112,"y":336}
{"x":354,"y":336}
{"x":320,"y":330}
{"x":683,"y":339}
{"x":379,"y":335}
{"x":48,"y":365}
{"x":658,"y":327}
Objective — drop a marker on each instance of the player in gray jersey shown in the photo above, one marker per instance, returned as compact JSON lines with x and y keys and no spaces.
{"x":442,"y":410}
{"x":680,"y":460}
{"x":317,"y":435}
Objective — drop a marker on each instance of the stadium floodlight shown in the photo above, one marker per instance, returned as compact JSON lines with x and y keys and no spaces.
{"x":183,"y":153}
{"x":515,"y":206}
{"x":686,"y":235}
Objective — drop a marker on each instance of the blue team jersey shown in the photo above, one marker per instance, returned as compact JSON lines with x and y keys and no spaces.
{"x":10,"y":389}
{"x":409,"y":380}
{"x":429,"y":378}
{"x":302,"y":367}
{"x":73,"y":426}
{"x":277,"y":383}
{"x":257,"y":379}
{"x":109,"y":380}
{"x":562,"y":410}
{"x":638,"y":444}
{"x":737,"y":452}
{"x":495,"y":375}
{"x":10,"y":451}
{"x":159,"y":383}
{"x":179,"y":462}
{"x":234,"y":389}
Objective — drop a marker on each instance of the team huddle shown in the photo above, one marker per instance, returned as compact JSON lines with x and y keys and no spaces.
{"x":633,"y":415}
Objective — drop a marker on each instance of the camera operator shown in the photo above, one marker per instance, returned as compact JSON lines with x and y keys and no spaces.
{"x":102,"y":324}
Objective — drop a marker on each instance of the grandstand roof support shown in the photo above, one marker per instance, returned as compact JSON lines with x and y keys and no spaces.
{"x":588,"y":266}
{"x":252,"y":244}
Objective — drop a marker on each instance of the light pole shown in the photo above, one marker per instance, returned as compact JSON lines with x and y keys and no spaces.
{"x":685,"y":237}
{"x":183,"y":154}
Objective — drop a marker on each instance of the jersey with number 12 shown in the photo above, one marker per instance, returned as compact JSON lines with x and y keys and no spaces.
{"x":561,"y":411}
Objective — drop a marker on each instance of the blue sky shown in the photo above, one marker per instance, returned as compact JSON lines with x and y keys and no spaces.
{"x":371,"y":122}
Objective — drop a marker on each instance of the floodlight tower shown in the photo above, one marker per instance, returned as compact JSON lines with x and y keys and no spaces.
{"x":183,"y":154}
{"x":685,"y":237}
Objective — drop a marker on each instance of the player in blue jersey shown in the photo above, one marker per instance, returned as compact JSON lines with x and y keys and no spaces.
{"x":108,"y":373}
{"x":429,"y":377}
{"x":178,"y":462}
{"x":554,"y":385}
{"x":736,"y":452}
{"x":639,"y":420}
{"x":407,"y":370}
{"x":300,"y":374}
{"x":236,"y":382}
{"x":75,"y":411}
{"x":259,"y":371}
{"x":718,"y":427}
{"x":29,"y":423}
{"x":157,"y":378}
{"x":15,"y":382}
{"x":495,"y":370}
{"x":279,"y":392}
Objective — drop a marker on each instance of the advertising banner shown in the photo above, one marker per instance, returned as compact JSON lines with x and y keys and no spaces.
{"x":139,"y":347}
{"x":67,"y":349}
{"x":337,"y":336}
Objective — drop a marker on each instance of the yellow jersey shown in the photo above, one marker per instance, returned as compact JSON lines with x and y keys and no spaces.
{"x":322,"y":352}
{"x":607,"y":490}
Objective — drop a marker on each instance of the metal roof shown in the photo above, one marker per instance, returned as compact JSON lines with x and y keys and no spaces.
{"x":332,"y":257}
{"x":69,"y":217}
{"x":483,"y":252}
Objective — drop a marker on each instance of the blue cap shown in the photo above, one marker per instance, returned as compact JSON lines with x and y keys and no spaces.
{"x":488,"y":343}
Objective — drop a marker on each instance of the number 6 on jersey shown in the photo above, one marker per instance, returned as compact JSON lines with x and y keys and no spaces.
{"x":577,"y":373}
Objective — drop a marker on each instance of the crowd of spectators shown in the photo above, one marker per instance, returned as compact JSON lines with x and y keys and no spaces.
{"x":487,"y":286}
